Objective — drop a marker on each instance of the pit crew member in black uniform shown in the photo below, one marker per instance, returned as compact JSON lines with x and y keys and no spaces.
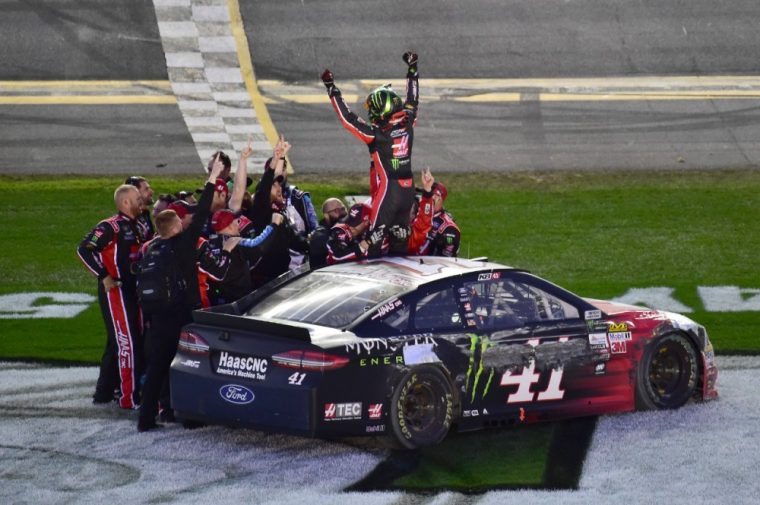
{"x":389,"y":137}
{"x":110,"y":251}
{"x":351,"y":239}
{"x":333,"y":211}
{"x":165,"y":325}
{"x":237,"y":281}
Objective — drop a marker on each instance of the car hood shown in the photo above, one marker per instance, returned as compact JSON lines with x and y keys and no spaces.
{"x":624,"y":310}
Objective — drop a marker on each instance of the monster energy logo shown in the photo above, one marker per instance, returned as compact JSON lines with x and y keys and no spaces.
{"x":480,"y":344}
{"x":394,"y":163}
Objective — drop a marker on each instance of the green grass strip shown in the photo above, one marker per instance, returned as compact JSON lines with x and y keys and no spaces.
{"x":595,"y":233}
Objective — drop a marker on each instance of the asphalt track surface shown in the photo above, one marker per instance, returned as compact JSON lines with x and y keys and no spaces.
{"x":517,"y":39}
{"x":483,"y":39}
{"x":85,"y":40}
{"x":56,"y":447}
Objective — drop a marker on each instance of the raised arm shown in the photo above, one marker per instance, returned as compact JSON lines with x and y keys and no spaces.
{"x":238,"y":189}
{"x":204,"y":204}
{"x":412,"y":83}
{"x":350,"y":121}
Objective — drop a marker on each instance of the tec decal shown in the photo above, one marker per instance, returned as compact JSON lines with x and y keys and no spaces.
{"x":343,"y":411}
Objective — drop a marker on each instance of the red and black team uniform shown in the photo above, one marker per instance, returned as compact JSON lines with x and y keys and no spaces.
{"x":390,"y":143}
{"x":212,"y":266}
{"x":421,"y":225}
{"x":112,"y":248}
{"x":443,"y":237}
{"x":145,"y":226}
{"x":342,"y":246}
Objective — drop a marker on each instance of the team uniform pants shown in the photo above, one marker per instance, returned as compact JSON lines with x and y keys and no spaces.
{"x":121,"y":365}
{"x":391,"y":205}
{"x":163,"y":338}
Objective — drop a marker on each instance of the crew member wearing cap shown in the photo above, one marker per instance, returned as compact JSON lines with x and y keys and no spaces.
{"x":443,"y":237}
{"x":219,"y":202}
{"x":237,"y":281}
{"x":421,"y":223}
{"x":350,"y":238}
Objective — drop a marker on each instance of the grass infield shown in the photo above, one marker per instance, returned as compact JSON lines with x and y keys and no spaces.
{"x":595,"y":233}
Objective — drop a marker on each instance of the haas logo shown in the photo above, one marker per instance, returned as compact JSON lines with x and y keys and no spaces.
{"x":401,"y":146}
{"x":375,"y":410}
{"x":329,"y":411}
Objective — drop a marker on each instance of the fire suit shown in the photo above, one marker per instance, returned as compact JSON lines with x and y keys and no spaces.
{"x":112,"y":248}
{"x":390,"y":148}
{"x":443,"y":238}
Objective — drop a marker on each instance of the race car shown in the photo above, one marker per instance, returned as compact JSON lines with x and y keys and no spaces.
{"x":411,"y":347}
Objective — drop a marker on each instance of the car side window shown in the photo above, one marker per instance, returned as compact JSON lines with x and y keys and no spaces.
{"x":391,"y":318}
{"x":506,"y":303}
{"x":438,"y":310}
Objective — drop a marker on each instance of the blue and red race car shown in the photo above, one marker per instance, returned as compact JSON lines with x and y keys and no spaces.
{"x":412,"y":346}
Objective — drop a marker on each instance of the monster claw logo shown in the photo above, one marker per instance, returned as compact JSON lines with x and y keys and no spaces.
{"x":484,"y":344}
{"x":394,"y":163}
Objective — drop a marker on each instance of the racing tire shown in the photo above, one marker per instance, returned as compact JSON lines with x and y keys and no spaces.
{"x":422,"y":407}
{"x":667,"y":375}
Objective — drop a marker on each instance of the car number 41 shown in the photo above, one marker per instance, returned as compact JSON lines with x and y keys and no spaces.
{"x":296,"y":379}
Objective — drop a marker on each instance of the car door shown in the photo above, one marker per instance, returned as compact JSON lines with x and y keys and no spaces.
{"x":527,"y":337}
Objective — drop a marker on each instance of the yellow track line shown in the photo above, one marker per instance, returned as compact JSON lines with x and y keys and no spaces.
{"x":85,"y":84}
{"x":246,"y":68}
{"x":88,"y":100}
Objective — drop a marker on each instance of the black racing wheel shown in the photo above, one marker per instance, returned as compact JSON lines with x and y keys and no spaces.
{"x":667,"y":375}
{"x":422,"y":407}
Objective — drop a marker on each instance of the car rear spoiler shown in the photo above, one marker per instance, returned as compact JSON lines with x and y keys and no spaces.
{"x":223,"y":320}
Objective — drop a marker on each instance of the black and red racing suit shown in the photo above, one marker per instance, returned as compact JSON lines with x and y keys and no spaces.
{"x":390,"y":148}
{"x":113,"y":248}
{"x":443,"y":237}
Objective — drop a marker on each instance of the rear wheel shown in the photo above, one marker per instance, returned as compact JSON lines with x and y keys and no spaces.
{"x":667,"y":375}
{"x":422,"y":407}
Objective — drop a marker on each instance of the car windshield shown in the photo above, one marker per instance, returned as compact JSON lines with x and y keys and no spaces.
{"x":324,"y":299}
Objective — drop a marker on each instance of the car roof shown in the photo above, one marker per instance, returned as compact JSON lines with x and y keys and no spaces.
{"x":411,"y":270}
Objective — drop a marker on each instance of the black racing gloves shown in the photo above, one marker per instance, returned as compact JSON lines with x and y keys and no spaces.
{"x":410,"y":59}
{"x":328,"y":80}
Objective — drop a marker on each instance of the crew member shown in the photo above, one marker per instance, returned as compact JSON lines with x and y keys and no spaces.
{"x":444,"y":236}
{"x":165,"y":325}
{"x":144,"y":222}
{"x":110,"y":251}
{"x":351,"y":239}
{"x":333,"y":211}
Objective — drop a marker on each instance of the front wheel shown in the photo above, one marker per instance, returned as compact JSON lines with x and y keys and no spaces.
{"x":667,"y":374}
{"x":422,"y":407}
